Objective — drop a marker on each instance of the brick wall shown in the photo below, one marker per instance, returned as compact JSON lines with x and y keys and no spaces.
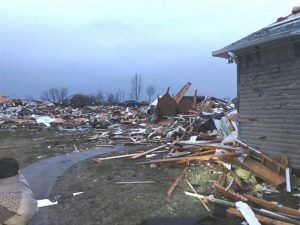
{"x":269,"y":99}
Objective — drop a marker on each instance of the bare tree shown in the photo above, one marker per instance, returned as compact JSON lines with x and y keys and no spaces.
{"x":119,"y":96}
{"x":29,"y":97}
{"x":55,"y":95}
{"x":100,"y":96}
{"x":136,"y":87}
{"x":111,"y":98}
{"x":150,"y":92}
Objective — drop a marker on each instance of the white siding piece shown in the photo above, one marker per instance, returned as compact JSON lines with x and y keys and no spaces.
{"x":288,"y":180}
{"x":247,"y":213}
{"x":45,"y":202}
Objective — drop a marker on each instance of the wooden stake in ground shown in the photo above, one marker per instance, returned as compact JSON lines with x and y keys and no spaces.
{"x":195,"y":99}
{"x":176,"y":182}
{"x":149,"y":151}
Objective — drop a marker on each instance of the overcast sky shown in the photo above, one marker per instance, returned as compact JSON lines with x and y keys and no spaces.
{"x":87,"y":45}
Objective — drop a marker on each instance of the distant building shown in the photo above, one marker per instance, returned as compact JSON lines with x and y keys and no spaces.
{"x":268,"y":81}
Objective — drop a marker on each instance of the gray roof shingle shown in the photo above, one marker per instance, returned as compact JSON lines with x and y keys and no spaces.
{"x":284,"y":27}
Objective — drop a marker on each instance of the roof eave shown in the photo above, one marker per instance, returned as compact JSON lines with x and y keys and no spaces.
{"x":223,"y":53}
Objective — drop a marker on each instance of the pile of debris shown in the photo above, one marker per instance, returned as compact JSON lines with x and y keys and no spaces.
{"x":249,"y":176}
{"x":167,"y":117}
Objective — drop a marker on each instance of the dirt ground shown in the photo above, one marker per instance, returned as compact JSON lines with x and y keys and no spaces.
{"x":103,"y":201}
{"x":29,"y":145}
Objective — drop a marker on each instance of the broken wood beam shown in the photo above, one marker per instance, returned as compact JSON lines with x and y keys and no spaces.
{"x":176,"y":182}
{"x":182,"y":92}
{"x":272,"y":206}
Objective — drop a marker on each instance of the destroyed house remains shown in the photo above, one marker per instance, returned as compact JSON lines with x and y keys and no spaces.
{"x":268,"y":80}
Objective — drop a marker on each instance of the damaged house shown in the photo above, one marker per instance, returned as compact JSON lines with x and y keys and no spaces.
{"x":268,"y":81}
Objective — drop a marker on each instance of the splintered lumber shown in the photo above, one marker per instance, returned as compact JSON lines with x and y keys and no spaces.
{"x":182,"y":92}
{"x":272,"y":206}
{"x":232,"y":204}
{"x":263,"y":172}
{"x":135,"y":182}
{"x":149,"y":151}
{"x":200,"y":199}
{"x":263,"y":219}
{"x":226,"y":147}
{"x":99,"y":160}
{"x":176,"y":182}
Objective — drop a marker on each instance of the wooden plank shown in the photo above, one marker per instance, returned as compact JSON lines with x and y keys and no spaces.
{"x":176,"y":182}
{"x":263,"y":219}
{"x":182,"y":92}
{"x":235,"y":196}
{"x":136,"y":182}
{"x":149,"y":151}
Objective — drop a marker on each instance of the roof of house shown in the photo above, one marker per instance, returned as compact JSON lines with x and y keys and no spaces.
{"x":282,"y":28}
